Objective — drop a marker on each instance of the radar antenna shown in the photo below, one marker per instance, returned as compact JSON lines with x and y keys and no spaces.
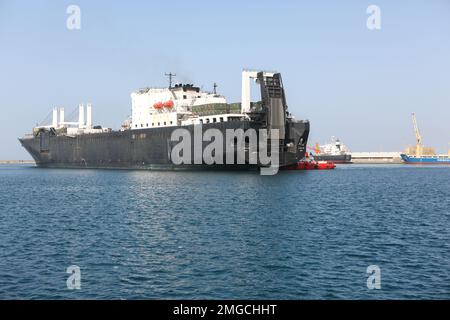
{"x":171,"y":76}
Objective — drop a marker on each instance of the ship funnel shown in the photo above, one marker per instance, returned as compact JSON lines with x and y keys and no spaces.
{"x":55,"y":118}
{"x":89,"y":116}
{"x":61,"y":117}
{"x":81,"y":122}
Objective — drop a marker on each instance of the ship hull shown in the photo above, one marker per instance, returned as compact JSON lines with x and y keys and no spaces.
{"x":426,"y":160}
{"x":146,"y":149}
{"x":339,"y":159}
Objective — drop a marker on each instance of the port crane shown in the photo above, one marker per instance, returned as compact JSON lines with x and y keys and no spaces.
{"x":316,"y":148}
{"x":419,"y":146}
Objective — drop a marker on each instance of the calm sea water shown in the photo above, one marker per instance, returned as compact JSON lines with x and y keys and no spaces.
{"x":192,"y":235}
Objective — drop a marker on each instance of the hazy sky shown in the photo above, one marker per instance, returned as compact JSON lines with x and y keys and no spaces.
{"x":350,"y":82}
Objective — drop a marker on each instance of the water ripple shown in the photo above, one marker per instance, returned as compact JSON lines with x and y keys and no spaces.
{"x":193,"y":235}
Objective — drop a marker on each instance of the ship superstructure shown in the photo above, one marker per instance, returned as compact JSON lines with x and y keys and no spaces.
{"x":168,"y":107}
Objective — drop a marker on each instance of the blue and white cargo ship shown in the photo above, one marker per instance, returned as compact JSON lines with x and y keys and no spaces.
{"x":432,"y":159}
{"x":423,"y":155}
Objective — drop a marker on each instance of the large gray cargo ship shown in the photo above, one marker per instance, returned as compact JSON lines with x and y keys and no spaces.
{"x":145,"y":140}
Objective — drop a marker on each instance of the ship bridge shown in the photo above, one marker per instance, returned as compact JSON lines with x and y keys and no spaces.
{"x":165,"y":107}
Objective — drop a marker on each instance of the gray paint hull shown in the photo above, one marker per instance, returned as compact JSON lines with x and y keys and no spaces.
{"x":148,"y":149}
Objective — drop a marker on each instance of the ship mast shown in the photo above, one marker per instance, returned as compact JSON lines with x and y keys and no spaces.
{"x":171,"y":76}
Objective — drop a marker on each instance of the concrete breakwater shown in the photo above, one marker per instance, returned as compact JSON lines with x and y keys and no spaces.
{"x":16,"y":162}
{"x":376,"y":157}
